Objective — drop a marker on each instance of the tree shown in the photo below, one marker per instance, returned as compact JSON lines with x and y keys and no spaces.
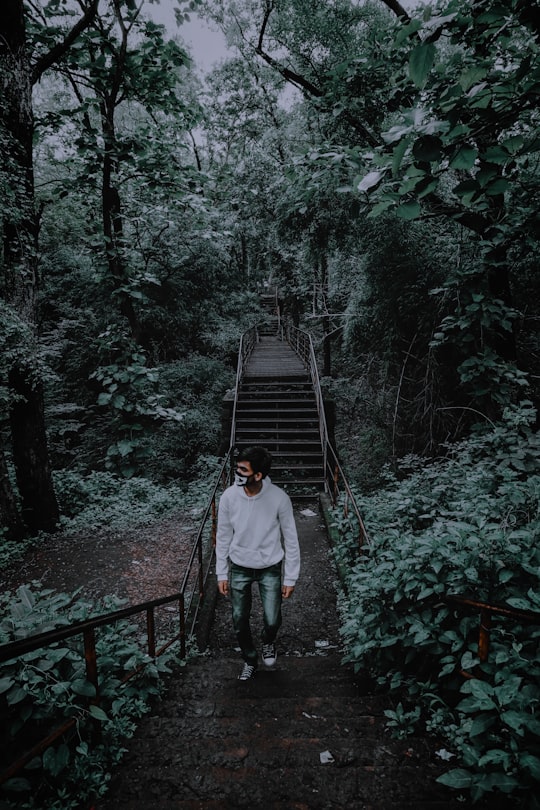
{"x":441,"y":109}
{"x":20,"y":266}
{"x":460,"y":147}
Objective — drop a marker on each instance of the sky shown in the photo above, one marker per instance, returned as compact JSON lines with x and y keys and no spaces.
{"x":207,"y":46}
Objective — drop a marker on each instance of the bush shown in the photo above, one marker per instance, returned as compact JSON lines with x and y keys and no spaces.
{"x":103,"y":499}
{"x":468,"y":524}
{"x":41,"y":690}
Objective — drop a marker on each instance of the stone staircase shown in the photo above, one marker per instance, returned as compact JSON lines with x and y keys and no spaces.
{"x":304,"y":735}
{"x":277,"y":408}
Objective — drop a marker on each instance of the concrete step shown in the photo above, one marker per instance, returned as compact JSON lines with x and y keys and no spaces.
{"x":272,"y":742}
{"x":261,"y":406}
{"x":218,"y":742}
{"x":278,"y":420}
{"x":284,"y":444}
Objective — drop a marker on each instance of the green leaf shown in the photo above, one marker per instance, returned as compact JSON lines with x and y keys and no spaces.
{"x":428,"y":148}
{"x":495,"y":154}
{"x":382,"y":206}
{"x":55,"y":761}
{"x":498,"y":186}
{"x":369,"y":181}
{"x":515,"y":720}
{"x":84,"y":688}
{"x":398,"y":155}
{"x":514,"y":144}
{"x":502,"y":781}
{"x":472,"y":76}
{"x":464,"y":158}
{"x":481,"y":724}
{"x":409,"y":210}
{"x":458,"y":779}
{"x":26,"y":596}
{"x":17,"y":785}
{"x":426,"y":186}
{"x":98,"y":713}
{"x":420,"y":62}
{"x":531,"y":764}
{"x":15,"y":696}
{"x":5,"y":684}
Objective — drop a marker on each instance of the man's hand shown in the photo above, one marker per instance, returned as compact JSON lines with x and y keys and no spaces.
{"x":287,"y":590}
{"x":223,"y":586}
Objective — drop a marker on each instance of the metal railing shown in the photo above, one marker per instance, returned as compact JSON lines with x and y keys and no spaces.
{"x":188,"y":599}
{"x":248,"y":341}
{"x":487,"y":613}
{"x":339,"y":490}
{"x":336,"y":483}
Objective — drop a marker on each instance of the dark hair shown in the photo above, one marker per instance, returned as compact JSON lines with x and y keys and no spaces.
{"x":259,"y":458}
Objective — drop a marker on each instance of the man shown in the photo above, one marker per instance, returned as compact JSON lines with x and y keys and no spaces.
{"x":256,"y":539}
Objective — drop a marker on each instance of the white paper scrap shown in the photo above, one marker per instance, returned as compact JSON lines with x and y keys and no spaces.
{"x":326,"y":757}
{"x":442,"y":753}
{"x":308,"y":512}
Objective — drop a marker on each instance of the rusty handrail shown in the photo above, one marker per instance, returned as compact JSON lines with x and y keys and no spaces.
{"x":335,"y":479}
{"x":248,"y":341}
{"x":189,"y":604}
{"x":487,"y":611}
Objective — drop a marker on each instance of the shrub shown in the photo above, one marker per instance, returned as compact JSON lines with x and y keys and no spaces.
{"x":467,"y":525}
{"x":40,"y":690}
{"x":103,"y":499}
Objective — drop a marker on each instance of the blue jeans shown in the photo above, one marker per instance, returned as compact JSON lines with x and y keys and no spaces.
{"x":269,"y":580}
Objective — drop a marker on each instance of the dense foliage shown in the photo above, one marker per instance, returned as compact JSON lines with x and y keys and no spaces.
{"x":468,"y":525}
{"x":379,"y":166}
{"x":41,"y":690}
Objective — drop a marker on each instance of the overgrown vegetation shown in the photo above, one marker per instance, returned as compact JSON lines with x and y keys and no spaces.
{"x":467,"y":524}
{"x":393,"y":203}
{"x":41,"y":690}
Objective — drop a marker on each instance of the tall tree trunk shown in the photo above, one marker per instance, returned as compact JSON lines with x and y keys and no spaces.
{"x":113,"y":225}
{"x":10,"y":519}
{"x":34,"y":479}
{"x":20,"y":280}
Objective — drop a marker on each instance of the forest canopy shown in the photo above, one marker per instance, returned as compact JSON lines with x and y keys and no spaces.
{"x":377,"y":163}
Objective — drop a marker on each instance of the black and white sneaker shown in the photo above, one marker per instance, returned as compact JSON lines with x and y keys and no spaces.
{"x":269,"y":654}
{"x":247,"y":673}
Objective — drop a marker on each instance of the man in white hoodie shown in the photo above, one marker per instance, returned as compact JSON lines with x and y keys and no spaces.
{"x":256,"y":542}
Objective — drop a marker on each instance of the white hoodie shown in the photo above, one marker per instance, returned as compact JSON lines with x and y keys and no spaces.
{"x":250,"y":530}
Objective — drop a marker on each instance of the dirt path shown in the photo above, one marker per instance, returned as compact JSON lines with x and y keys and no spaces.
{"x":136,"y":565}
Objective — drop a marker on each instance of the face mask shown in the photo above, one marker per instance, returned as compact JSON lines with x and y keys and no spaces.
{"x":241,"y":480}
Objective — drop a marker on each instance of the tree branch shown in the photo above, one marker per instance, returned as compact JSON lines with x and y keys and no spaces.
{"x":398,"y":10}
{"x":269,"y":10}
{"x":61,"y":48}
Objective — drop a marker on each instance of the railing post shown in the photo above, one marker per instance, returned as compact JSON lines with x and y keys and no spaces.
{"x":336,"y":479}
{"x":214,"y":522}
{"x":181,"y":608}
{"x":151,"y":632}
{"x":201,"y":572}
{"x":483,"y":635}
{"x":90,"y":657}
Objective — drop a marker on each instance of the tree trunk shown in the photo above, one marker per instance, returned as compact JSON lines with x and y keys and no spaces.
{"x":20,"y":280}
{"x":34,"y":479}
{"x":10,"y":519}
{"x":113,"y":226}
